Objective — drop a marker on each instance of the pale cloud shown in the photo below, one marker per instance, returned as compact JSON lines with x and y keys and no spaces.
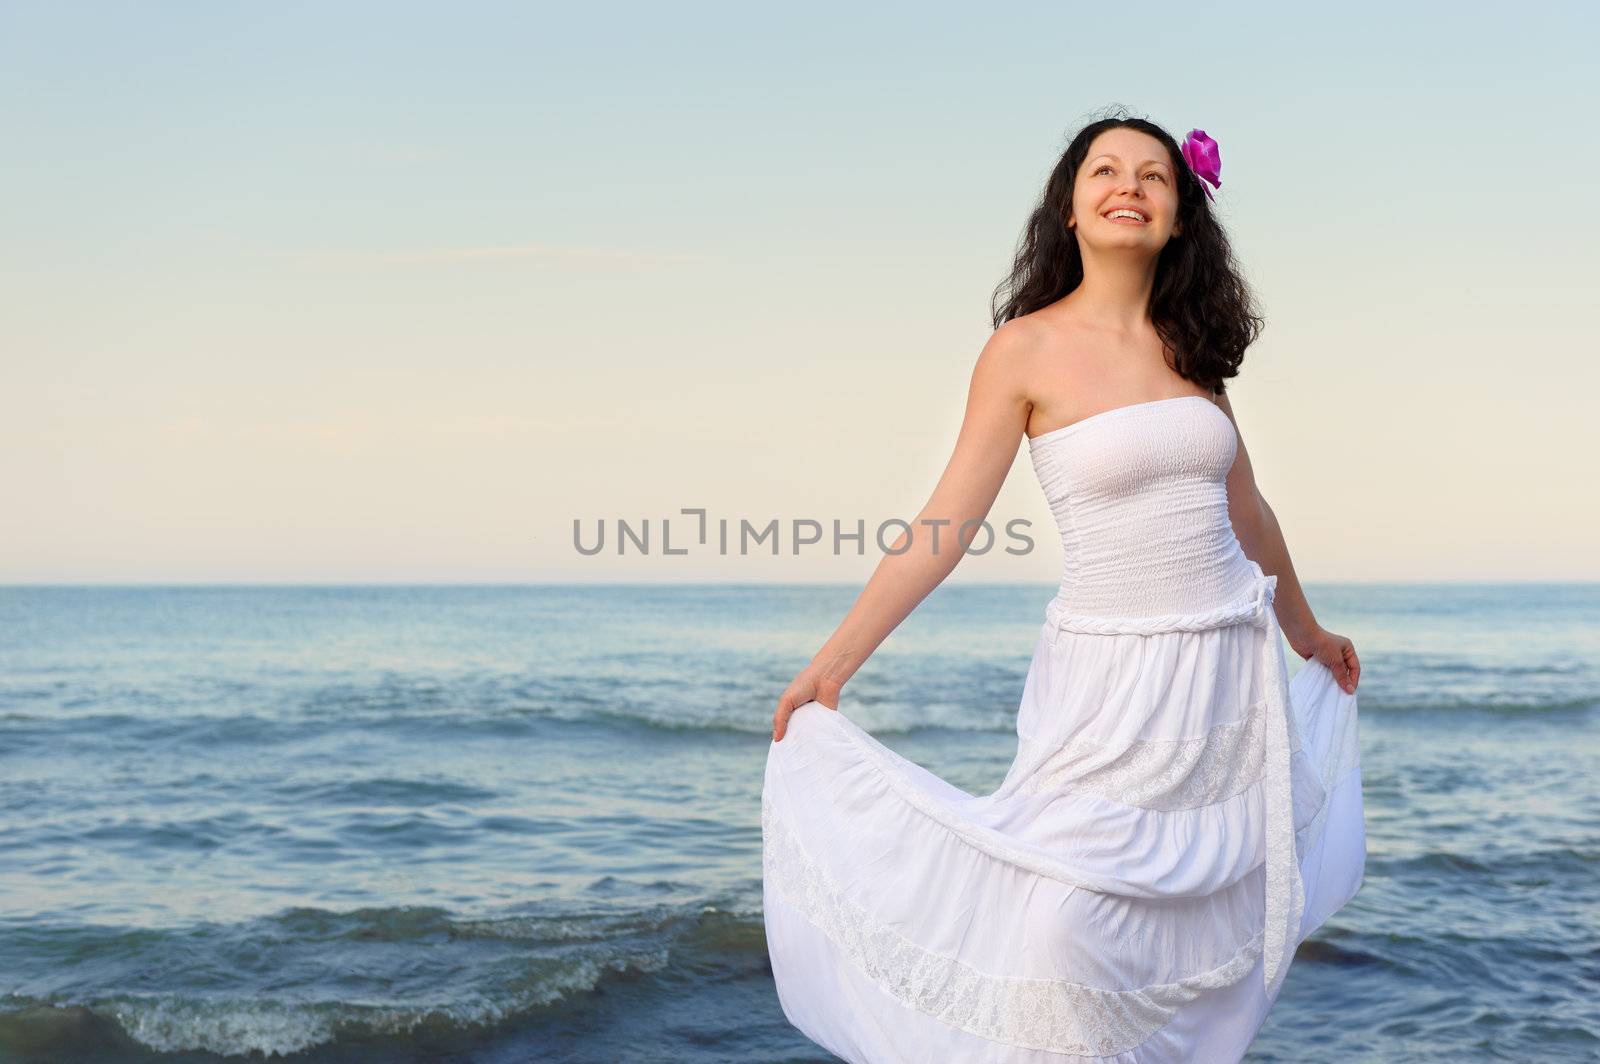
{"x":358,"y":430}
{"x":559,"y":254}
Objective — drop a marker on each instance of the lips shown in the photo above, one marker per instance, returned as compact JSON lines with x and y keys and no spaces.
{"x":1143,"y":217}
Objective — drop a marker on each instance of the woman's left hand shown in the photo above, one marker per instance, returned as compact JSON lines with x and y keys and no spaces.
{"x":1338,"y":654}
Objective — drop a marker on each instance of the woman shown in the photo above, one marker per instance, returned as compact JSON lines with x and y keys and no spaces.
{"x":1179,"y":815}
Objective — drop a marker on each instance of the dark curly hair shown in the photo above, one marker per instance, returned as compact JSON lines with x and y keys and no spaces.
{"x":1201,"y":306}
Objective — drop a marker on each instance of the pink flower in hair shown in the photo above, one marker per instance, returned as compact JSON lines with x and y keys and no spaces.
{"x":1201,"y":153}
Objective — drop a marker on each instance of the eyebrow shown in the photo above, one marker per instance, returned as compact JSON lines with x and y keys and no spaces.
{"x":1105,"y":155}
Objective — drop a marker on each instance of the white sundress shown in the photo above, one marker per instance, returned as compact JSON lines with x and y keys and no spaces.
{"x":1178,"y":818}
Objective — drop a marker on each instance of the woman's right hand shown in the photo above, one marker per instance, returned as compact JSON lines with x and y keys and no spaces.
{"x":810,"y":686}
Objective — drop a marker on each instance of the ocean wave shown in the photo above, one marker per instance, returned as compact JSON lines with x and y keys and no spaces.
{"x":307,"y":977}
{"x":256,"y":730}
{"x":1579,"y":707}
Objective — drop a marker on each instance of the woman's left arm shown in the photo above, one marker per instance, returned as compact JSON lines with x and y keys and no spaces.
{"x":1262,"y":540}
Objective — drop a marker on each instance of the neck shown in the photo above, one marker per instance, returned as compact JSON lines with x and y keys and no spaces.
{"x":1116,"y":289}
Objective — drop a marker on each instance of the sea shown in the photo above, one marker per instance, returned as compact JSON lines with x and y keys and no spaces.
{"x":522,"y":823}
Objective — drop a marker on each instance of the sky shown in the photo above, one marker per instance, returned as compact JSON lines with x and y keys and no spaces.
{"x":394,"y":293}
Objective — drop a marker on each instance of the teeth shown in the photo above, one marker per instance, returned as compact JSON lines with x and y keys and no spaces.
{"x":1126,"y":214}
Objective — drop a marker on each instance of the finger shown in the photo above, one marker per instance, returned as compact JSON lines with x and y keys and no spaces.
{"x":1335,"y":666}
{"x":780,"y":719}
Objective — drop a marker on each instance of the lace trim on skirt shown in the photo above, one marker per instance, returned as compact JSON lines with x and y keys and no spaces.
{"x":1166,"y":775}
{"x":1054,"y":1015}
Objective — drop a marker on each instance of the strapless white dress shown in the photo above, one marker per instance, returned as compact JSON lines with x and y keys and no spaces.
{"x":1178,"y":818}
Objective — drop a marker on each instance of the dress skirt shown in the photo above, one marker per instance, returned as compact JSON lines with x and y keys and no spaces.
{"x":1178,"y":818}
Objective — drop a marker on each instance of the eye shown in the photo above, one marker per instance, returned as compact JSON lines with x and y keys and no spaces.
{"x":1103,"y":166}
{"x":1155,"y":174}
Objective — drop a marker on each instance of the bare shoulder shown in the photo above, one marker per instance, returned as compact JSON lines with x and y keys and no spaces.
{"x":1035,"y":347}
{"x":1015,"y":341}
{"x":1008,"y":355}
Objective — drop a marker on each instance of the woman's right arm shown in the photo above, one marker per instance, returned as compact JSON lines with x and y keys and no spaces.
{"x":996,"y":420}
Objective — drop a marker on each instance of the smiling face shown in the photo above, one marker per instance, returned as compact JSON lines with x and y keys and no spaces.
{"x":1126,"y":193}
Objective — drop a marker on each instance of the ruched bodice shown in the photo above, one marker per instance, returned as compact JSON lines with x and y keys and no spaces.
{"x":1140,"y":496}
